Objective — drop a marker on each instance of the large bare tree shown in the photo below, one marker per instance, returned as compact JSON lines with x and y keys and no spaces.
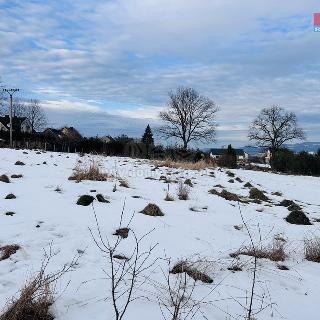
{"x":189,"y":117}
{"x":36,"y":115}
{"x":274,"y":126}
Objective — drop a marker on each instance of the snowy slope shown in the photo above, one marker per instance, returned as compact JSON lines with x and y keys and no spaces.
{"x":180,"y":233}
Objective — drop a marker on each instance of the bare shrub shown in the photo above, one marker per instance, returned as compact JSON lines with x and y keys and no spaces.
{"x":127,"y":273}
{"x":181,"y":164}
{"x":176,"y":297}
{"x":92,"y":172}
{"x":312,"y":249}
{"x":7,"y":251}
{"x":183,"y":191}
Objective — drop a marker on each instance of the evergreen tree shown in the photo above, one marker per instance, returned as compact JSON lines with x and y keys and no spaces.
{"x":147,"y":139}
{"x":229,"y":158}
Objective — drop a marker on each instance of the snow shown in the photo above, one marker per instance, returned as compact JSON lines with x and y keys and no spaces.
{"x":180,"y":233}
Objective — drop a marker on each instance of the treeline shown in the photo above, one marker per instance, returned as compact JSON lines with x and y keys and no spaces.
{"x":302,"y":163}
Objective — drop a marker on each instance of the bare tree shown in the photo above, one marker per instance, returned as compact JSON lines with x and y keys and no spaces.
{"x":35,"y":114}
{"x":189,"y":117}
{"x":274,"y":126}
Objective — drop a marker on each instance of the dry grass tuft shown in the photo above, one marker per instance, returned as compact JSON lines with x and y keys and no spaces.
{"x":200,"y":165}
{"x":312,"y":249}
{"x":33,"y":303}
{"x":8,"y":251}
{"x":4,"y":178}
{"x":183,"y":191}
{"x":152,"y":210}
{"x":92,"y":172}
{"x":274,"y":252}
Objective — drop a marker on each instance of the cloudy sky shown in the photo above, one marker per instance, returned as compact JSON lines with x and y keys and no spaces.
{"x":106,"y":67}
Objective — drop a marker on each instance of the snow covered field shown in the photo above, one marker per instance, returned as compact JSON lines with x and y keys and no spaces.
{"x":43,"y":216}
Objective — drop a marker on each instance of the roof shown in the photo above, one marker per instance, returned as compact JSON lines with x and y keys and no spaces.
{"x":16,"y":122}
{"x":220,"y":152}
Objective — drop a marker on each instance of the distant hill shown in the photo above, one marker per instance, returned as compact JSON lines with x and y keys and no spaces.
{"x":304,"y":146}
{"x":295,"y":147}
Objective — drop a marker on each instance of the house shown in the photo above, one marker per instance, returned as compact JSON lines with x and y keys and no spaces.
{"x":66,"y":133}
{"x":217,"y":153}
{"x":257,"y":154}
{"x":19,"y":124}
{"x":106,"y":139}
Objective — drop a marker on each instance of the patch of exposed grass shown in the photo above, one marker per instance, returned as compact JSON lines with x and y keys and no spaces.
{"x":19,"y":163}
{"x":7,"y":251}
{"x":181,"y":164}
{"x":4,"y":178}
{"x":122,"y":232}
{"x":85,"y":200}
{"x":101,"y":198}
{"x":248,"y":185}
{"x":152,"y":210}
{"x":298,"y":217}
{"x":124,"y":183}
{"x":10,"y":196}
{"x":188,"y":182}
{"x":226,"y":195}
{"x":16,"y":176}
{"x":191,"y":270}
{"x":230,"y":174}
{"x":257,"y":194}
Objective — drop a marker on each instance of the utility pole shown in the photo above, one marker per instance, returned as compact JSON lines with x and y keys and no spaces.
{"x":10,"y":93}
